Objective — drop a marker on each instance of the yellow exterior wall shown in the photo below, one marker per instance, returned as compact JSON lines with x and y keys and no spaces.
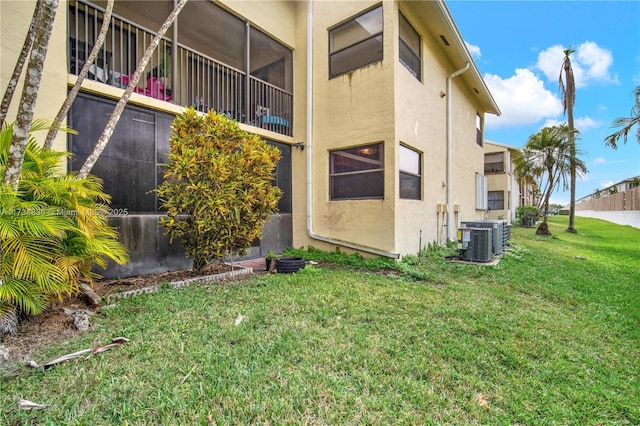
{"x":381,"y":102}
{"x":15,"y":17}
{"x":350,"y":110}
{"x":420,"y":115}
{"x":420,"y":124}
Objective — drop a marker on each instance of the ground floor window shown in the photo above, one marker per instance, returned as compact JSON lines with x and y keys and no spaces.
{"x":357,"y":173}
{"x":410,"y":173}
{"x":496,"y":200}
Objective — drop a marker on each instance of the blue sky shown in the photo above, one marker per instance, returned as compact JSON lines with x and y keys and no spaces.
{"x":518,"y":48}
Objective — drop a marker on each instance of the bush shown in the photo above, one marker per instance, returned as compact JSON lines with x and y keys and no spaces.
{"x":218,"y":186}
{"x":528,"y":215}
{"x":53,"y":229}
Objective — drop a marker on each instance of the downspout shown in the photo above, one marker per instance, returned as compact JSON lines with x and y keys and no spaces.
{"x":309,"y":150}
{"x":450,"y":230}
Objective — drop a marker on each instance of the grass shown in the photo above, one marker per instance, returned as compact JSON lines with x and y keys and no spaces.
{"x":549,"y":336}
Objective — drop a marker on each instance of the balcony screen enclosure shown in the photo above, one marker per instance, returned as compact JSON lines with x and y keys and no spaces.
{"x":220,"y":62}
{"x":131,"y":166}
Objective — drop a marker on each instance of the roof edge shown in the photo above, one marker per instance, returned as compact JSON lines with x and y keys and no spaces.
{"x":462,"y":47}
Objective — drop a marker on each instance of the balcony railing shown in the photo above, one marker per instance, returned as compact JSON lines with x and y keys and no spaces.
{"x":197,"y":80}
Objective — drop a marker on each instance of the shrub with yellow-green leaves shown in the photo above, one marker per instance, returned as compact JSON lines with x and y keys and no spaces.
{"x":218,"y":188}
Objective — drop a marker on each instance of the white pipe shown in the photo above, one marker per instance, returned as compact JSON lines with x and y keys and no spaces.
{"x":308,"y":147}
{"x":450,"y":227}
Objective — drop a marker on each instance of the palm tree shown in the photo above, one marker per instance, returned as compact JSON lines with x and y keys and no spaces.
{"x":568,"y":89}
{"x":53,"y":229}
{"x":547,"y":157}
{"x":626,"y":123}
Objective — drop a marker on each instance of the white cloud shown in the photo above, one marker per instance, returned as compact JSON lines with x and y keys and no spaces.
{"x":605,"y":183}
{"x":522,"y":99}
{"x":552,"y":122}
{"x":474,"y":50}
{"x":599,"y":160}
{"x":590,"y":64}
{"x":582,"y":124}
{"x":586,"y":123}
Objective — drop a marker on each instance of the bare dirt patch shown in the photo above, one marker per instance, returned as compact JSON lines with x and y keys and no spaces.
{"x":54,"y":325}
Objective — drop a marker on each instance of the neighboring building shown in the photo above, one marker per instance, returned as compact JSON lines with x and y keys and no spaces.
{"x":377,"y":108}
{"x":504,"y":192}
{"x":622,"y":186}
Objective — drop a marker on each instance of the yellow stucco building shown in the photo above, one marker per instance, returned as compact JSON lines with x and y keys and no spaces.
{"x":377,"y":107}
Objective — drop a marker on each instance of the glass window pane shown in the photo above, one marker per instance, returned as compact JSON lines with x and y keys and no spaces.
{"x":495,"y":200}
{"x":409,"y":160}
{"x":356,"y":43}
{"x":361,"y":28}
{"x":357,"y":173}
{"x":410,"y":60}
{"x":410,"y":53}
{"x":409,"y":35}
{"x":410,"y":186}
{"x":357,"y":159}
{"x":356,"y":56}
{"x":357,"y":186}
{"x":494,"y":162}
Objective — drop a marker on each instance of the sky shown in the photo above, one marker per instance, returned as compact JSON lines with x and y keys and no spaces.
{"x":518,"y":49}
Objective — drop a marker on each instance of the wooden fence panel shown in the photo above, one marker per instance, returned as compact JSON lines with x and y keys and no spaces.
{"x":622,"y":201}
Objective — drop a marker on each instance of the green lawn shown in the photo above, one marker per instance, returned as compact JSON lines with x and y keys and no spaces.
{"x":549,"y":336}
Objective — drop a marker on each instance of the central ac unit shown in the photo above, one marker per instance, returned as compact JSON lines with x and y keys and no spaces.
{"x":500,"y":236}
{"x":475,"y":244}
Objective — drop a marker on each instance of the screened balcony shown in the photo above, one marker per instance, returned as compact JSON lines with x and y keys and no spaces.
{"x":212,"y":61}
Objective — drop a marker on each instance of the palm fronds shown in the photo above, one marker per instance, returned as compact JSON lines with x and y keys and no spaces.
{"x":53,"y":229}
{"x":626,"y":123}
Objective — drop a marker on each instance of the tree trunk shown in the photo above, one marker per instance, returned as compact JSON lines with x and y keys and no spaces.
{"x":17,"y":70}
{"x":30,"y":93}
{"x":568,"y":101}
{"x":117,"y":111}
{"x":543,"y":228}
{"x":62,"y":114}
{"x":572,"y":153}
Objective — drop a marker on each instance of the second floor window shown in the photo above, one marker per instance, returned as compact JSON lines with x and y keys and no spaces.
{"x":494,"y":162}
{"x":356,"y":43}
{"x":479,"y":129}
{"x":410,"y":48}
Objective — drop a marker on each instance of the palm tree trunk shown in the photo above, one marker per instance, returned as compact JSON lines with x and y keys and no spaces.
{"x":543,"y":228}
{"x":62,"y":114}
{"x":17,"y":70}
{"x":572,"y":153}
{"x":568,"y":89}
{"x":117,"y":111}
{"x":30,"y":93}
